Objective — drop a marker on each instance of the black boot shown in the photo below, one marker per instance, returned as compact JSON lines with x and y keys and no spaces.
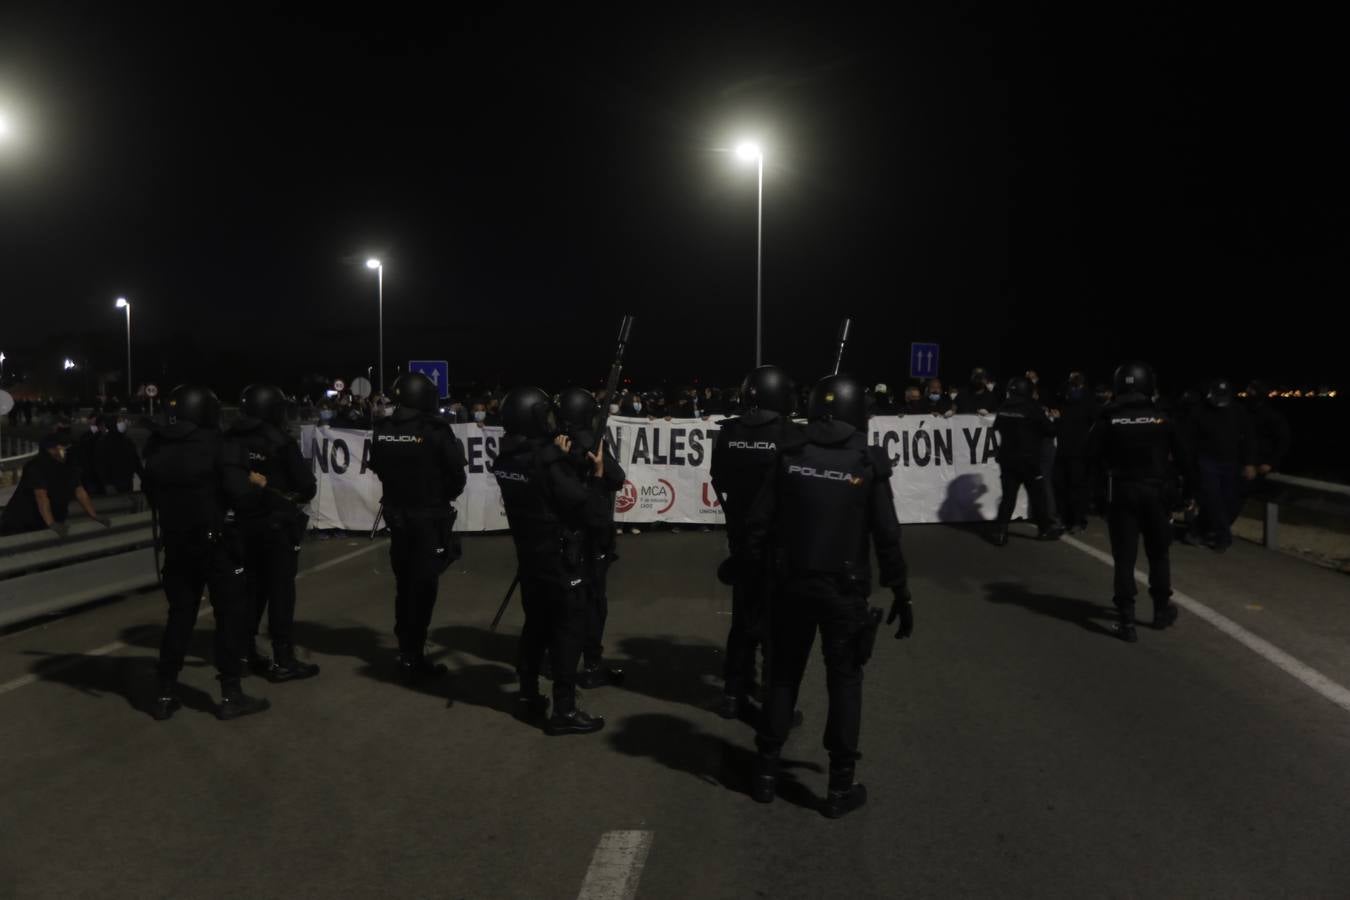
{"x":845,"y":796}
{"x":1125,"y":626}
{"x":258,"y":663}
{"x":166,"y":702}
{"x":1053,"y":533}
{"x":415,"y":669}
{"x":285,"y":667}
{"x":595,"y":674}
{"x":999,"y":537}
{"x":530,"y":704}
{"x":764,"y":779}
{"x":568,"y":718}
{"x":732,"y":706}
{"x":1164,"y":615}
{"x":234,"y":703}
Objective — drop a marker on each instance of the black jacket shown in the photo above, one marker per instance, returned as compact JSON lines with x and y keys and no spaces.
{"x":42,"y":473}
{"x":742,"y":458}
{"x":275,"y":455}
{"x":827,"y":497}
{"x":1133,"y":440}
{"x":117,"y":461}
{"x":1076,"y":420}
{"x":1223,"y":434}
{"x":1022,"y":426}
{"x":546,"y":504}
{"x":195,"y":479}
{"x":970,"y":402}
{"x":419,"y":462}
{"x":1270,"y":431}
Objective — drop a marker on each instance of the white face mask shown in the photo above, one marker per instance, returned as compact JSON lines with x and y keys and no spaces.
{"x":121,"y":427}
{"x":325,"y":415}
{"x":614,"y":409}
{"x":637,"y":407}
{"x":935,"y":397}
{"x":479,"y":415}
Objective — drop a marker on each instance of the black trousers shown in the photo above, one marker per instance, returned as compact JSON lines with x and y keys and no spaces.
{"x":555,"y":623}
{"x":417,"y":548}
{"x":597,"y":609}
{"x":1220,"y":499}
{"x":1015,"y":475}
{"x":749,"y":622}
{"x":801,"y":607}
{"x":1073,"y":489}
{"x":192,"y":565}
{"x":1138,"y":509}
{"x":271,"y":558}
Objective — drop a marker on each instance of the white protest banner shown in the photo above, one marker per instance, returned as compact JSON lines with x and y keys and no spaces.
{"x":945,"y":470}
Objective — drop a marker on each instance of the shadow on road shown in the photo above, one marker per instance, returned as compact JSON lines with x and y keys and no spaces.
{"x":1083,"y":613}
{"x":680,"y":745}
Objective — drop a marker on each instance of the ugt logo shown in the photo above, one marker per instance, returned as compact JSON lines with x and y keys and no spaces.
{"x":626,"y":498}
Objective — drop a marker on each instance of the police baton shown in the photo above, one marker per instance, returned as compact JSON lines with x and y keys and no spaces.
{"x":506,"y":601}
{"x":379,"y":514}
{"x":843,"y":341}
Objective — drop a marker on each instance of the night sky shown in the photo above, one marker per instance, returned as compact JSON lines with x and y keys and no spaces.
{"x":1028,"y":190}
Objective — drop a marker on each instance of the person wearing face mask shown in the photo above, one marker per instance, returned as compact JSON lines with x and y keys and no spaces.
{"x":978,"y":398}
{"x":49,"y":482}
{"x":1078,"y":412}
{"x":632,"y":405}
{"x":325,"y":415}
{"x":478,"y":413}
{"x":914,"y":402}
{"x":936,"y":401}
{"x":82,"y":455}
{"x":115,"y":457}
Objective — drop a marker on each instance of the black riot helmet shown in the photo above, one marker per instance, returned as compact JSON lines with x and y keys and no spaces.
{"x":1019,"y":388}
{"x":1219,"y":393}
{"x":1134,"y":378}
{"x":528,"y":412}
{"x":839,"y":397}
{"x":413,"y":390}
{"x":576,"y":409}
{"x":264,"y":401}
{"x":769,"y":387}
{"x":193,"y":403}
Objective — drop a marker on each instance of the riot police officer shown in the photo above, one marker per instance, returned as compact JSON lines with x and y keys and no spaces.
{"x":195,"y":480}
{"x":742,"y":458}
{"x":827,"y":496}
{"x":1023,"y":426}
{"x":1137,"y":445}
{"x":421,"y":467}
{"x":546,"y":505}
{"x":272,"y":528}
{"x":577,"y":414}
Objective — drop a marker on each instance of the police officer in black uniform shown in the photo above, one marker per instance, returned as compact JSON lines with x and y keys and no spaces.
{"x":741,"y":461}
{"x":421,"y":466}
{"x":828,"y":494}
{"x":1137,"y":445}
{"x":577,"y":413}
{"x":1023,"y":426}
{"x":546,"y":504}
{"x":195,"y":480}
{"x":272,"y":528}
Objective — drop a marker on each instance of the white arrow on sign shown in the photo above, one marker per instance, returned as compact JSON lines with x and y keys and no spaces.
{"x":435,"y":376}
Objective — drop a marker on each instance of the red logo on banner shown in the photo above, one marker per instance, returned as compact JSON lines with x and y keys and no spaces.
{"x":670,"y":490}
{"x":710,"y":498}
{"x":626,"y":498}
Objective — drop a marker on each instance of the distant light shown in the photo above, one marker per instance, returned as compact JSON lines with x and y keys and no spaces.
{"x":69,"y":365}
{"x":748,"y":151}
{"x":122,"y":302}
{"x":5,"y":130}
{"x":372,"y":264}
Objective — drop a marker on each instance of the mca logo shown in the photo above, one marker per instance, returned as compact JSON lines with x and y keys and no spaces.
{"x":825,"y":474}
{"x":659,"y":497}
{"x":626,"y":499}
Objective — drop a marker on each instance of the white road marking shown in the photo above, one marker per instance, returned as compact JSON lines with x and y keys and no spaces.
{"x":31,"y":678}
{"x":1305,"y":673}
{"x":616,"y":866}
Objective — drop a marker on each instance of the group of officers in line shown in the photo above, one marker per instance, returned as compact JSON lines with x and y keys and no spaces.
{"x":806,"y":505}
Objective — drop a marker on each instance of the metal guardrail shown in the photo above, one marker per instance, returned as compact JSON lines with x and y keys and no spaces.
{"x":1291,"y":489}
{"x":13,"y":450}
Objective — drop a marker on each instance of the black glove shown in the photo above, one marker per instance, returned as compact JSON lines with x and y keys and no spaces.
{"x":903,"y":610}
{"x":728,"y":571}
{"x":60,"y":529}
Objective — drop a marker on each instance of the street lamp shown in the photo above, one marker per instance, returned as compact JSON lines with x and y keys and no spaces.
{"x":123,"y":304}
{"x":379,"y":270}
{"x":749,"y":151}
{"x":5,"y":130}
{"x":69,"y":364}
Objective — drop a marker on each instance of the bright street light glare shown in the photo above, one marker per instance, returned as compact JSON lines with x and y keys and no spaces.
{"x":372,"y":264}
{"x":748,"y":151}
{"x":5,"y":130}
{"x":69,"y":365}
{"x":122,"y":302}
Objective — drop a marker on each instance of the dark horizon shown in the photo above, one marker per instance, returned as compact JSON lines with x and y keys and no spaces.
{"x":1053,"y":194}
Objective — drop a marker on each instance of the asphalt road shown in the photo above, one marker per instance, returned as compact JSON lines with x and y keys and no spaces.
{"x":1013,"y":747}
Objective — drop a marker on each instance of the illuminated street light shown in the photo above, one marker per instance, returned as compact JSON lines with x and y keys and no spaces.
{"x":749,"y":151}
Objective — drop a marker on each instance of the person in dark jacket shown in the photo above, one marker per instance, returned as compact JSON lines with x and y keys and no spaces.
{"x":273,"y":528}
{"x":1078,"y":413}
{"x":116,"y":458}
{"x":546,"y":504}
{"x":1022,"y":427}
{"x":936,"y":400}
{"x":47,"y":486}
{"x":1222,"y":438}
{"x":1270,"y":429}
{"x":83,"y":455}
{"x":915,"y":404}
{"x":577,"y":413}
{"x":977,"y":398}
{"x":420,"y":464}
{"x":827,"y":498}
{"x":195,"y":481}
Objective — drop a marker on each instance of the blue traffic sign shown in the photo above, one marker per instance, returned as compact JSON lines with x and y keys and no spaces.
{"x":923,"y":360}
{"x":438,"y":370}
